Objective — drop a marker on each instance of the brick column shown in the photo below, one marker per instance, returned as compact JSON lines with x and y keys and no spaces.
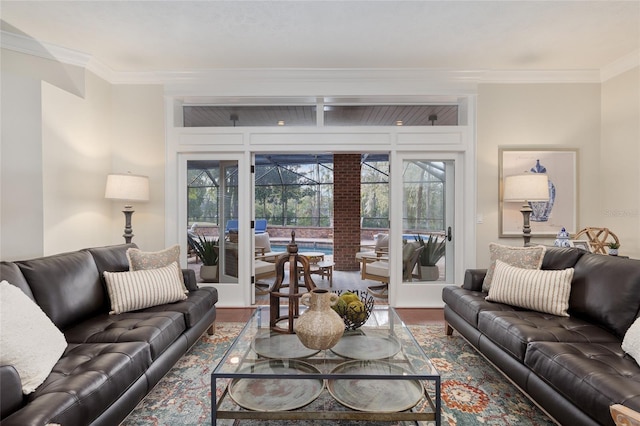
{"x":346,"y":211}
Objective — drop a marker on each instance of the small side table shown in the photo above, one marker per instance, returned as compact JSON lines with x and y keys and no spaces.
{"x":324,"y":268}
{"x":313,"y":256}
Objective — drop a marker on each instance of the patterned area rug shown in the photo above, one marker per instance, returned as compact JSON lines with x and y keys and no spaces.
{"x":473,"y":392}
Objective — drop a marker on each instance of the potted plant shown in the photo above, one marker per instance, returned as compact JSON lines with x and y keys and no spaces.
{"x":207,"y":250}
{"x":613,"y":248}
{"x":432,"y":252}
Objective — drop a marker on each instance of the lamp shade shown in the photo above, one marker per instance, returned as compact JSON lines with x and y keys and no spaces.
{"x":127,"y":187}
{"x":526,"y":187}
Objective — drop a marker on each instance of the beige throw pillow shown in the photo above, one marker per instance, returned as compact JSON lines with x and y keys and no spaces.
{"x":140,"y":260}
{"x":133,"y":290}
{"x":520,"y":257}
{"x":538,"y":290}
{"x":263,"y":242}
{"x":382,"y":242}
{"x":29,"y":341}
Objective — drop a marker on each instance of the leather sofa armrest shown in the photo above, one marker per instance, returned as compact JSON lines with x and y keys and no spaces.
{"x":11,"y":398}
{"x":190,"y":280}
{"x":473,"y":279}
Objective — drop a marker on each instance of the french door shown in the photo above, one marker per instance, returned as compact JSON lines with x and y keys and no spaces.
{"x":211,"y":190}
{"x":426,"y":212}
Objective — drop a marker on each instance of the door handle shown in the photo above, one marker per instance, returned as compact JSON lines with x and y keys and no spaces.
{"x":449,"y":233}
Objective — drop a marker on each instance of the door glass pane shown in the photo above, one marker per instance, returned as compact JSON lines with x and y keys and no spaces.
{"x":424,"y":220}
{"x":212,"y":217}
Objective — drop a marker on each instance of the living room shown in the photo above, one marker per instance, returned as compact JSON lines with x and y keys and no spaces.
{"x":122,"y":129}
{"x":77,"y":105}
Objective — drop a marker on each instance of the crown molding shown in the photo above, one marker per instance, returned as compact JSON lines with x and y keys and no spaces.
{"x":539,"y":76}
{"x":175,"y":79}
{"x":431,"y":76}
{"x":620,"y":66}
{"x":33,"y":47}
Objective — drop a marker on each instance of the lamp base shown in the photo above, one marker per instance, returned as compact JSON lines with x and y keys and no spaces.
{"x":526,"y":228}
{"x":128,"y":231}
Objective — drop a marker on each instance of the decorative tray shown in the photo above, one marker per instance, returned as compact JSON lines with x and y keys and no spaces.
{"x":375,"y":395}
{"x":366,"y":346}
{"x":281,"y":346}
{"x":273,"y":394}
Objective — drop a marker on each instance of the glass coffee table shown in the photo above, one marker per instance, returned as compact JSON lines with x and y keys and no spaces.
{"x":375,"y":373}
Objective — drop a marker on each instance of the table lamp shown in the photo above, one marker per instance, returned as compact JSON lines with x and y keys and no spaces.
{"x":524,"y":188}
{"x":127,"y":187}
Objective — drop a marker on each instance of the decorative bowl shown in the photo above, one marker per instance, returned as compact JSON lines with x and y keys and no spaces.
{"x":367,"y":300}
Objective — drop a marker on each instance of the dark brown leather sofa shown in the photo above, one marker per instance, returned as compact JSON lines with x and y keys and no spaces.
{"x":112,"y":361}
{"x":572,"y":367}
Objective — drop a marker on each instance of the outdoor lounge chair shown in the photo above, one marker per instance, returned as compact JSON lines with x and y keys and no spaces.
{"x":380,"y":248}
{"x":192,"y":237}
{"x":232,"y":226}
{"x":263,"y":248}
{"x":377,"y":269}
{"x":263,"y":270}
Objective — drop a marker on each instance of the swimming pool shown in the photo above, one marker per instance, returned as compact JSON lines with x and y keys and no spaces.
{"x":321,"y":247}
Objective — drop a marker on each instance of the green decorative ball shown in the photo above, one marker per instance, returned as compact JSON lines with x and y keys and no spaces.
{"x":340,"y":307}
{"x":356,"y":311}
{"x":349,"y":297}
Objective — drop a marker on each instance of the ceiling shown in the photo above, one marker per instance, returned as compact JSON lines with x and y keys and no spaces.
{"x":180,"y":36}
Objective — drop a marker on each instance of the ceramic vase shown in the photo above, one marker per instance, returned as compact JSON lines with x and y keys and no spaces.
{"x":319,"y":327}
{"x":542,"y":209}
{"x":562,"y":239}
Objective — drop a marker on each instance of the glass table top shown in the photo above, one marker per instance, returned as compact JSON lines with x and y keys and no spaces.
{"x":383,"y":337}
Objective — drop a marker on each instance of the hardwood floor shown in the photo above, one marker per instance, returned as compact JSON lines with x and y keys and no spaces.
{"x":411,"y":316}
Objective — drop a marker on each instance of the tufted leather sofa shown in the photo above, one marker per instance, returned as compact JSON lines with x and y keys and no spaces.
{"x":112,"y":361}
{"x":572,"y":367}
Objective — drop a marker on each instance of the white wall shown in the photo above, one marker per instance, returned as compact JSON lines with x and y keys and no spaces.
{"x":21,"y":174}
{"x":619,"y":173}
{"x":536,"y":115}
{"x":21,"y":223}
{"x":138,"y":146}
{"x":76,"y":158}
{"x":62,"y":133}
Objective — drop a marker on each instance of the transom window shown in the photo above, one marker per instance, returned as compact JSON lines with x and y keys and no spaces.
{"x":332,"y":115}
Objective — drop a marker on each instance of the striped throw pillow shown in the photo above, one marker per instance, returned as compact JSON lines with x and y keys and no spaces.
{"x":535,"y":289}
{"x":133,"y":290}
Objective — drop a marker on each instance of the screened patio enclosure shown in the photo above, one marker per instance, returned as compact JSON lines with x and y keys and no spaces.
{"x":295,"y":192}
{"x":290,"y":190}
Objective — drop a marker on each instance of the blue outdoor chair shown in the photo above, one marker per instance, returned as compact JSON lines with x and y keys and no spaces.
{"x":261,"y":226}
{"x":232,"y":226}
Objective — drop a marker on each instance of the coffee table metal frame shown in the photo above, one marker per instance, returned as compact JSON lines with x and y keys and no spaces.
{"x":234,"y":365}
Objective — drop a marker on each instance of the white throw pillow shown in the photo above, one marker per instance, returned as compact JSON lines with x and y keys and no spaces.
{"x":520,"y":257}
{"x":29,"y":341}
{"x":631,"y":341}
{"x":133,"y":290}
{"x":538,"y":290}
